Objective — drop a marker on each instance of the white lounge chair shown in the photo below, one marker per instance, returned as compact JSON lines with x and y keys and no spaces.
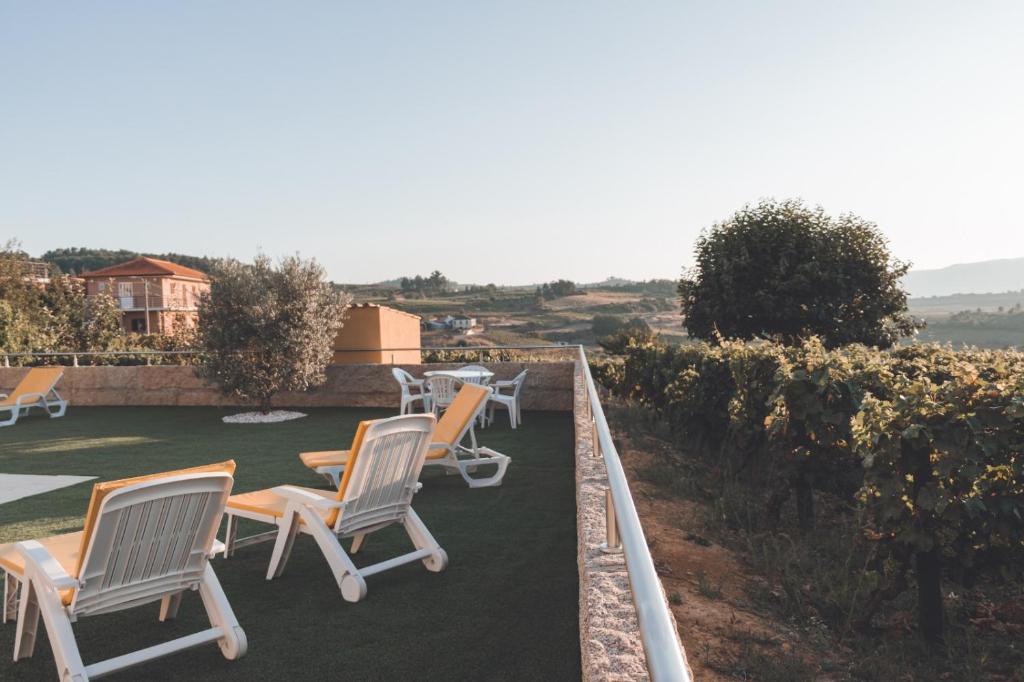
{"x":36,"y":389}
{"x":446,"y":450}
{"x":145,"y":539}
{"x":375,"y":492}
{"x":412,"y":390}
{"x":510,"y":401}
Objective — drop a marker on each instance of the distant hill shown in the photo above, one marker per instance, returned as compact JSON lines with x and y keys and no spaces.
{"x":990,"y":276}
{"x":77,"y":260}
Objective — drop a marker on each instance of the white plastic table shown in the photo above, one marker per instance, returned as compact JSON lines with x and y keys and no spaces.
{"x":474,"y":376}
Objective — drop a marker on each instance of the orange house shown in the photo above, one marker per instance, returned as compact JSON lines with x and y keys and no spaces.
{"x":373,"y":332}
{"x":154,"y":295}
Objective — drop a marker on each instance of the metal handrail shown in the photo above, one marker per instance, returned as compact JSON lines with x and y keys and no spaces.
{"x":662,"y":647}
{"x":135,"y":353}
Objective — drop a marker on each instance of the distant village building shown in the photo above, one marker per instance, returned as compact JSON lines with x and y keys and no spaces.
{"x":37,"y":272}
{"x":463,"y":323}
{"x":378,"y":334}
{"x":153,"y":295}
{"x":459,"y":323}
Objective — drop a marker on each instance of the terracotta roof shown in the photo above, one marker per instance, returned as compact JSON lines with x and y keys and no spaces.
{"x":147,"y":266}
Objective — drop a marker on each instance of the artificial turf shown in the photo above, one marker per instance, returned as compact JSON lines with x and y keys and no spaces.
{"x":506,"y":608}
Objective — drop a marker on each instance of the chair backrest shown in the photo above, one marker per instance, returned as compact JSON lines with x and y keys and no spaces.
{"x":150,"y":537}
{"x":442,"y":389}
{"x":39,"y":380}
{"x":403,"y":378}
{"x":460,"y":415}
{"x":518,"y":382}
{"x":475,"y":368}
{"x":383,"y":471}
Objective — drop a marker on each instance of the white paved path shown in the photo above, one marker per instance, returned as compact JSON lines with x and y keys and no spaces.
{"x":16,"y":486}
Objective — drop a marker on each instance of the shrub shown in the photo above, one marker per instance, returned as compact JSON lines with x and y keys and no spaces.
{"x":786,"y":272}
{"x":267,"y":329}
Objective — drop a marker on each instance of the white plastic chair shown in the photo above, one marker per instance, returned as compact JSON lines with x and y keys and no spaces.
{"x":511,"y":402}
{"x":482,"y":380}
{"x":412,"y":390}
{"x":375,"y":492}
{"x":149,"y":541}
{"x":441,"y":389}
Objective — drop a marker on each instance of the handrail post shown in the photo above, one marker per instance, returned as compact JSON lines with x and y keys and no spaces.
{"x":74,"y":360}
{"x":611,"y":545}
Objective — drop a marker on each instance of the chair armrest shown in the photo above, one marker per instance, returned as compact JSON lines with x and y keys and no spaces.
{"x":487,"y":452}
{"x":216,"y":548}
{"x":434,"y":446}
{"x":45,"y":565}
{"x":297,"y":494}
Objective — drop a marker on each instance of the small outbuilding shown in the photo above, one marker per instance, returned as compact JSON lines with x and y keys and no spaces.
{"x":372,"y":333}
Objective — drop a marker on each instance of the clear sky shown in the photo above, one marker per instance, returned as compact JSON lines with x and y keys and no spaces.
{"x":507,"y":142}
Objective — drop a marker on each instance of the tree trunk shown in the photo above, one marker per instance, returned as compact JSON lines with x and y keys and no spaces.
{"x":805,"y":499}
{"x":265,"y":404}
{"x":929,"y":595}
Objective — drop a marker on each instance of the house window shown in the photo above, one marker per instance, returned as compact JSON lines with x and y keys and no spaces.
{"x":139,"y":325}
{"x":101,"y":286}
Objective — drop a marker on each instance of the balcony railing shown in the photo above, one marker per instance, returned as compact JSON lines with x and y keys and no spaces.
{"x":156,"y":302}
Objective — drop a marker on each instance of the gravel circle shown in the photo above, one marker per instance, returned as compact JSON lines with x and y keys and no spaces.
{"x":260,"y":418}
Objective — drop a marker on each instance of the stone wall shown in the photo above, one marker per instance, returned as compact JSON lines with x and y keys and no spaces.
{"x":548,"y":385}
{"x":610,"y":644}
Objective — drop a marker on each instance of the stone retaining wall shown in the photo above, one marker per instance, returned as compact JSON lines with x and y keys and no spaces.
{"x":548,"y":385}
{"x":610,"y":644}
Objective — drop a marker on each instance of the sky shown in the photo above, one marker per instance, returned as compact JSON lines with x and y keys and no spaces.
{"x":505,"y":142}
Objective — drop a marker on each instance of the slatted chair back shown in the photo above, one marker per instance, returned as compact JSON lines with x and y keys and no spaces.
{"x":442,"y":389}
{"x":475,"y":380}
{"x":378,"y":485}
{"x":150,"y":540}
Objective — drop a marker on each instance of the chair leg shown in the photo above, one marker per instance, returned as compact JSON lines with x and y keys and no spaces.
{"x":351,"y":584}
{"x":286,"y":531}
{"x":357,"y":543}
{"x":233,"y":644}
{"x":230,"y":532}
{"x":12,"y":586}
{"x":28,"y":622}
{"x":46,"y":603}
{"x":422,"y":539}
{"x":169,"y":606}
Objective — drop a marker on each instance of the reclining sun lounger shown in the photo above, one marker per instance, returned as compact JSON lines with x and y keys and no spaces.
{"x":36,"y":389}
{"x":375,"y":492}
{"x":145,"y":539}
{"x":452,"y":429}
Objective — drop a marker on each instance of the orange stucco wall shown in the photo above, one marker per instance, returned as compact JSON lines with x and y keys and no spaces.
{"x":372,"y":328}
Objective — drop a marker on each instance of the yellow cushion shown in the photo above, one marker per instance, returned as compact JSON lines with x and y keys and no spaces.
{"x":101,"y":490}
{"x":436,"y":453}
{"x":324,"y":458}
{"x":458,"y":414}
{"x":38,"y":380}
{"x":66,"y":549}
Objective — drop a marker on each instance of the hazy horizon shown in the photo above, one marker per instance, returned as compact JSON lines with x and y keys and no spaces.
{"x":505,"y":144}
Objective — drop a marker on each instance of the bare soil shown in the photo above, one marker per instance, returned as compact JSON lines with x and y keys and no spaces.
{"x":724,"y":635}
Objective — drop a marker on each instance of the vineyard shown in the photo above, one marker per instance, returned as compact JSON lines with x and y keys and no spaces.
{"x":922,"y":448}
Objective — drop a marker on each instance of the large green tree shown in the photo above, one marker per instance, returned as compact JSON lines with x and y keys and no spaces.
{"x":784,"y":271}
{"x":268,"y":329}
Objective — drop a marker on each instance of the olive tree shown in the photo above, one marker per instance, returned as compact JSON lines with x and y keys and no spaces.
{"x":267,"y":328}
{"x":781,"y":270}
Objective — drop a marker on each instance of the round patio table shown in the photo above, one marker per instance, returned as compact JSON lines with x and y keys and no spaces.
{"x":473,"y":376}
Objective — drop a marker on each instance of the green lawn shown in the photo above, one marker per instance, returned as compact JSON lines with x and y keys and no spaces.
{"x":506,"y":607}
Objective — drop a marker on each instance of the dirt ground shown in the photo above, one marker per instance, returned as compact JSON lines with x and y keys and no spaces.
{"x":724,"y":637}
